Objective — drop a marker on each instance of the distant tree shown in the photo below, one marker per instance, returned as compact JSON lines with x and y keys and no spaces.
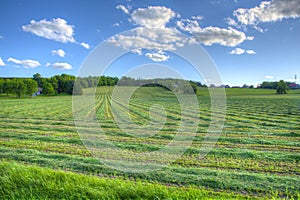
{"x":1,"y":86}
{"x":48,"y":89}
{"x":77,"y":89}
{"x":72,"y":89}
{"x":69,"y":86}
{"x":54,"y":82}
{"x":282,"y":87}
{"x":83,"y":83}
{"x":194,"y":86}
{"x":7,"y":86}
{"x":38,"y":78}
{"x":269,"y":85}
{"x":245,"y":86}
{"x":18,"y":87}
{"x":31,"y":86}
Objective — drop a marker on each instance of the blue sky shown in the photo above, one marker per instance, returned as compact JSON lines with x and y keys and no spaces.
{"x":250,"y":41}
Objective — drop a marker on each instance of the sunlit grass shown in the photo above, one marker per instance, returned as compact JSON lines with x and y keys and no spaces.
{"x":258,"y":153}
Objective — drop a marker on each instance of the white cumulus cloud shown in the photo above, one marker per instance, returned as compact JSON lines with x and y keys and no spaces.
{"x":157,"y":57}
{"x":188,"y":25}
{"x":269,"y":77}
{"x":213,"y":35}
{"x":149,"y":39}
{"x":56,"y":29}
{"x":59,"y":52}
{"x":85,"y":45}
{"x":123,"y":8}
{"x":226,"y":37}
{"x":197,"y":17}
{"x":1,"y":62}
{"x":116,"y":25}
{"x":268,"y":11}
{"x":156,"y":38}
{"x":137,"y":51}
{"x":152,"y":16}
{"x":61,"y":66}
{"x":250,"y":52}
{"x":231,"y":22}
{"x":239,"y":51}
{"x":25,"y":63}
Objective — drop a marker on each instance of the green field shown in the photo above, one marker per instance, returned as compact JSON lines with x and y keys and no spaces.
{"x":257,"y":155}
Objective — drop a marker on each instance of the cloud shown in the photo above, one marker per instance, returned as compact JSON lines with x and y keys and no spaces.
{"x":1,"y":37}
{"x":149,"y":39}
{"x":55,"y":29}
{"x":61,"y":66}
{"x":85,"y":45}
{"x":116,"y":24}
{"x":239,"y":51}
{"x":123,"y":8}
{"x":268,"y":11}
{"x":269,"y":77}
{"x":250,"y":52}
{"x":25,"y":63}
{"x":157,"y":57}
{"x":137,"y":51}
{"x":1,"y":62}
{"x":191,"y":26}
{"x":153,"y":36}
{"x":197,"y":17}
{"x":231,"y":22}
{"x":213,"y":35}
{"x":154,"y":40}
{"x":59,"y":52}
{"x":152,"y":16}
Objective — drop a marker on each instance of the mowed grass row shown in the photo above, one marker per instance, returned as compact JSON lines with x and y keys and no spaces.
{"x":19,"y":181}
{"x":259,"y":145}
{"x":264,"y":185}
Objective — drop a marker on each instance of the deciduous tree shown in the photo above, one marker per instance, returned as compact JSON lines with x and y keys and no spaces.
{"x":282,"y":87}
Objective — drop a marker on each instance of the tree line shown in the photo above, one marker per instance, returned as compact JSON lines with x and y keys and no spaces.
{"x":281,"y":86}
{"x":65,"y":84}
{"x":172,"y":84}
{"x":48,"y":86}
{"x":18,"y":86}
{"x":58,"y":84}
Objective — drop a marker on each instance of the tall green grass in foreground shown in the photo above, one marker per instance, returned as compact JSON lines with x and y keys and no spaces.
{"x":19,"y":181}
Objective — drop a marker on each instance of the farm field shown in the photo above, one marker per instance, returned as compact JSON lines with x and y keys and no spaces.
{"x":256,"y":156}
